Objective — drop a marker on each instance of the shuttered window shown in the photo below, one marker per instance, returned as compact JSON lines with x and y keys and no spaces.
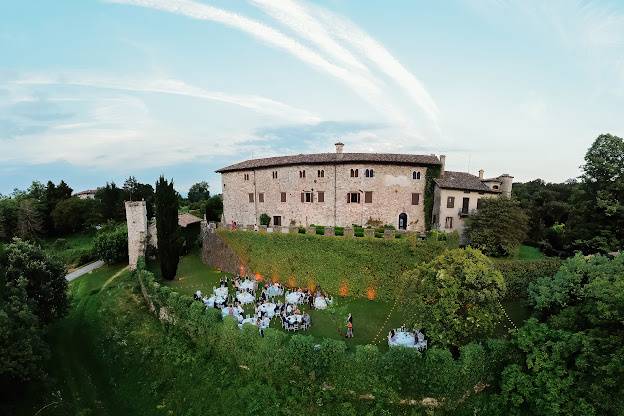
{"x":415,"y":199}
{"x":251,"y":197}
{"x":321,"y":196}
{"x":283,"y":196}
{"x":261,"y":197}
{"x":368,"y":197}
{"x":450,"y":202}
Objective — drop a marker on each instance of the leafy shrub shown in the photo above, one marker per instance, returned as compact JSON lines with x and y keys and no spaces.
{"x":60,"y":244}
{"x":519,"y":274}
{"x":112,"y":245}
{"x":339,"y":231}
{"x":265,"y":219}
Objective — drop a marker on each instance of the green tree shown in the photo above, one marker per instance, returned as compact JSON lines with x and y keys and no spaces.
{"x":136,"y":191}
{"x":53,"y":195}
{"x":498,"y":227}
{"x":214,"y":208}
{"x":199,"y":192}
{"x":455,"y":297}
{"x":29,"y":224}
{"x":74,"y":214}
{"x":265,"y":219}
{"x":45,"y":276}
{"x":111,"y":199}
{"x":571,"y":361}
{"x":22,"y":349}
{"x":112,"y":245}
{"x":8,"y":217}
{"x":169,"y":241}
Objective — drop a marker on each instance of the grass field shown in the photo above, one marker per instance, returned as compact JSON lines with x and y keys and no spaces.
{"x":372,"y":319}
{"x":529,"y":253}
{"x":75,"y":251}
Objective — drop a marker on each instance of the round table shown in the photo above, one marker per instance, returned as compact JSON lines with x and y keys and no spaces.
{"x":274,"y":290}
{"x":268,"y":308}
{"x":408,"y":340}
{"x":292,"y":319}
{"x":247,"y":285}
{"x":221,"y":292}
{"x":320,"y":303}
{"x":245,"y":298}
{"x":294,"y":298}
{"x":226,"y":312}
{"x":248,"y":321}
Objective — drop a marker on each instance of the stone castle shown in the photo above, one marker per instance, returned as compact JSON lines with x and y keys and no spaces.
{"x":343,"y":189}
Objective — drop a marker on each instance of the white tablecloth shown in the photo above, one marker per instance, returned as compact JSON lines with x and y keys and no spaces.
{"x":211,"y":301}
{"x":268,"y":308}
{"x":245,"y":298}
{"x":226,"y":312}
{"x":221,"y":292}
{"x":294,"y":318}
{"x":320,"y":303}
{"x":247,"y":284}
{"x":273,"y":291}
{"x":408,"y":339}
{"x":294,"y":298}
{"x":248,"y":321}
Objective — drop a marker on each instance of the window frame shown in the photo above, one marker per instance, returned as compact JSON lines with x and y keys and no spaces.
{"x":450,"y":202}
{"x":415,"y":198}
{"x":320,"y":197}
{"x":368,"y":197}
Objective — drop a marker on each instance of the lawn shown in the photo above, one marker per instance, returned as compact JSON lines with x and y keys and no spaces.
{"x":74,"y":250}
{"x":529,"y":253}
{"x":372,"y":319}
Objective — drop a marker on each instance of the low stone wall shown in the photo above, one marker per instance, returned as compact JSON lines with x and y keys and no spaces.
{"x":216,"y":253}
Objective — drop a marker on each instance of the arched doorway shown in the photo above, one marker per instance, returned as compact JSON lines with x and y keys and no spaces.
{"x":403,"y":221}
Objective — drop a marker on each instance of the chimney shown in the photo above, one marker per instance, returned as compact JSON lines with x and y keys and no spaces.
{"x":443,"y":162}
{"x":339,"y":147}
{"x":481,"y":174}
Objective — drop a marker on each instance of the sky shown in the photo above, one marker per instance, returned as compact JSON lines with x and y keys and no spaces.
{"x":93,"y":91}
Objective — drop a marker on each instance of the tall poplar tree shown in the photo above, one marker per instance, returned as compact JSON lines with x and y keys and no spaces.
{"x":168,"y":234}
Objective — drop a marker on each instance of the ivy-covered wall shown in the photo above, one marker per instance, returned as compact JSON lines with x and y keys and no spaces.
{"x":433,"y":172}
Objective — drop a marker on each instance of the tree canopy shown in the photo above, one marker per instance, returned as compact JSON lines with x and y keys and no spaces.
{"x":169,"y":240}
{"x":455,"y":297}
{"x":498,"y":227}
{"x":199,"y":192}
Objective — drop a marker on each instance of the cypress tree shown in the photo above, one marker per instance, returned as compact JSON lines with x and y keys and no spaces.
{"x":167,"y":228}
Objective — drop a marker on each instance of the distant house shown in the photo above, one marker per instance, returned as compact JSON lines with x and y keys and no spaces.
{"x":88,"y":194}
{"x":457,"y":194}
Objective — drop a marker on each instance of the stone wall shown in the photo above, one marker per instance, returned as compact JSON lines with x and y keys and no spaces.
{"x":391,"y":186}
{"x":216,"y":253}
{"x":441,"y":211}
{"x":136,"y":219}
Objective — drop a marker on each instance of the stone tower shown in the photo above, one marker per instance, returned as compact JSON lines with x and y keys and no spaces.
{"x":136,"y":218}
{"x":506,"y":184}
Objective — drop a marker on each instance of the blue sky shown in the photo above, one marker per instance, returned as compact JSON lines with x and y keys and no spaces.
{"x":93,"y":91}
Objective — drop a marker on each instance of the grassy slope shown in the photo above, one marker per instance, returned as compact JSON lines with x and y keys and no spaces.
{"x":77,"y":245}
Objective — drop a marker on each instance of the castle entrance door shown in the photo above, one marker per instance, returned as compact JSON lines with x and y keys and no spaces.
{"x":403,"y":221}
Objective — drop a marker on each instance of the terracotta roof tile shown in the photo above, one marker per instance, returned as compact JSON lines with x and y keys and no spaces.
{"x":187,"y":219}
{"x":333,"y":158}
{"x":463,"y":181}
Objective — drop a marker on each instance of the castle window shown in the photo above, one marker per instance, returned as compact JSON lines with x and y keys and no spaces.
{"x":261,"y":197}
{"x":307,"y":197}
{"x":354,"y":173}
{"x":320,"y":173}
{"x":368,"y":197}
{"x":369,"y":173}
{"x":495,"y":187}
{"x":321,"y":196}
{"x":302,"y":173}
{"x":415,"y":199}
{"x":251,"y":197}
{"x":448,"y":223}
{"x":353,"y":198}
{"x":283,"y":196}
{"x":416,"y":175}
{"x":274,"y":174}
{"x":246,"y":176}
{"x":450,"y":202}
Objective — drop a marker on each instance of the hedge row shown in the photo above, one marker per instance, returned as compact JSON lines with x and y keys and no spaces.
{"x":325,"y":366}
{"x":519,"y":274}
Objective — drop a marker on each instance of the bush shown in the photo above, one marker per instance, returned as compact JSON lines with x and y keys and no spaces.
{"x":265,"y":219}
{"x":112,"y":245}
{"x":519,"y":274}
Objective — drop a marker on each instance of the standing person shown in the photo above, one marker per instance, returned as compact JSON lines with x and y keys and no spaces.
{"x":349,"y":326}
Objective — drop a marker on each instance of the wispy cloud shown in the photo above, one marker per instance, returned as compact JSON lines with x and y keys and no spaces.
{"x":322,"y":27}
{"x":370,"y":88}
{"x":176,"y":87}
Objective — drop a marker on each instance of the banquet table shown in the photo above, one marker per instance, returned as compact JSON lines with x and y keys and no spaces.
{"x":320,"y":303}
{"x":226,"y":312}
{"x":292,"y":319}
{"x":247,"y":285}
{"x":221,"y":292}
{"x":268,"y":308}
{"x":273,"y":291}
{"x":247,"y":321}
{"x":408,"y":340}
{"x":294,"y":298}
{"x":245,"y":297}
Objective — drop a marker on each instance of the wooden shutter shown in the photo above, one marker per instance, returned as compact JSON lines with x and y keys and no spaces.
{"x":302,"y":197}
{"x":415,"y":199}
{"x":321,"y":196}
{"x":368,"y":197}
{"x":283,"y":196}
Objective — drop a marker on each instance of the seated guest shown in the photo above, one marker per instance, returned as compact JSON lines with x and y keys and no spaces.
{"x":289,"y":309}
{"x":198,"y":295}
{"x":306,"y":318}
{"x":391,"y":334}
{"x":239,"y":308}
